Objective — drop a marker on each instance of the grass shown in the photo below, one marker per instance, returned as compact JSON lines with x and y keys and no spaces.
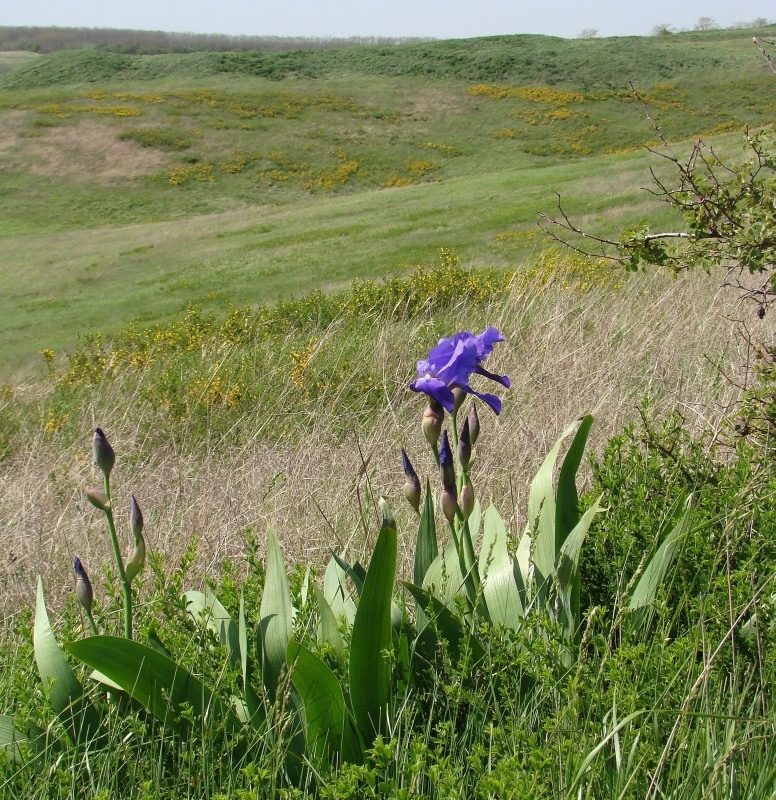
{"x":280,"y":398}
{"x":232,"y":179}
{"x":294,"y":457}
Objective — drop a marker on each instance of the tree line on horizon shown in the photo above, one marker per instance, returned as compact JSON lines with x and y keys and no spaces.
{"x":140,"y":42}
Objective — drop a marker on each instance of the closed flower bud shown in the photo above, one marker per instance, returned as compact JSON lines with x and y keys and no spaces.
{"x":104,"y":457}
{"x":458,"y":397}
{"x":433,"y":416}
{"x":137,"y":562}
{"x":449,"y":504}
{"x":474,"y":424}
{"x":97,"y":498}
{"x":135,"y":518}
{"x":467,"y":499}
{"x":446,"y":466}
{"x":83,"y":586}
{"x":411,"y":483}
{"x":465,"y":446}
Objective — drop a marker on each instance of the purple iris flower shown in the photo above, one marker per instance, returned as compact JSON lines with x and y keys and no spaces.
{"x":452,"y":362}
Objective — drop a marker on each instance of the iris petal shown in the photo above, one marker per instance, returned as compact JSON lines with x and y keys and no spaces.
{"x":435,"y":388}
{"x":453,"y":361}
{"x":502,"y":379}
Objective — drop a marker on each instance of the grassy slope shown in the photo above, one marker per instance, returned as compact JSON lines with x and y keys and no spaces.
{"x":101,"y":245}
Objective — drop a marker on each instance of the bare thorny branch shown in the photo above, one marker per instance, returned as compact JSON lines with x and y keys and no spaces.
{"x":728,"y":208}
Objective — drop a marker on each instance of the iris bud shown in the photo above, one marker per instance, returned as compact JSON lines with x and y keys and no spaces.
{"x":104,"y":457}
{"x":135,"y":518}
{"x":412,"y":482}
{"x":465,"y":446}
{"x":467,"y":499}
{"x":97,"y":498}
{"x":449,"y":504}
{"x":137,"y":562}
{"x":474,"y":424}
{"x":458,"y":397}
{"x":449,"y":489}
{"x":433,"y":415}
{"x":83,"y":586}
{"x":446,"y":466}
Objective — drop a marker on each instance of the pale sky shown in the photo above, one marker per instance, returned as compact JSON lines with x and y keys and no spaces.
{"x":441,"y":19}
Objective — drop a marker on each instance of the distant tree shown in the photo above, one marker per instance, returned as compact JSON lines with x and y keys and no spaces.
{"x":588,"y":33}
{"x":759,"y":22}
{"x":705,"y":24}
{"x":663,"y":29}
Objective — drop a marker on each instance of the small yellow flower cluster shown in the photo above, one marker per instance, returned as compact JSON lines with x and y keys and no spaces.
{"x":299,"y":361}
{"x":517,"y":235}
{"x":445,"y":149}
{"x":544,"y":94}
{"x":54,"y":422}
{"x":533,"y":94}
{"x":492,"y":92}
{"x":64,"y":111}
{"x":569,"y":271}
{"x":307,"y":177}
{"x":214,"y":393}
{"x":88,"y":364}
{"x":179,"y":176}
{"x":237,"y":164}
{"x":394,"y":181}
{"x":124,"y":97}
{"x":421,"y":168}
{"x":239,"y":325}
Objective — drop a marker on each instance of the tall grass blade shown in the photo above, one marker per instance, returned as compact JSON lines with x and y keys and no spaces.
{"x":65,"y":693}
{"x":337,"y":593}
{"x":370,"y":665}
{"x":542,"y":517}
{"x":276,"y":613}
{"x":497,"y":571}
{"x":205,"y":608}
{"x":567,"y":576}
{"x":160,"y":685}
{"x":328,"y":632}
{"x":329,"y":728}
{"x":426,"y":548}
{"x":646,"y":589}
{"x":567,"y":501}
{"x":253,"y":705}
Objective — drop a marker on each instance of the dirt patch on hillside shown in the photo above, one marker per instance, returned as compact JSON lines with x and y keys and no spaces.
{"x":90,"y":149}
{"x":11,"y":124}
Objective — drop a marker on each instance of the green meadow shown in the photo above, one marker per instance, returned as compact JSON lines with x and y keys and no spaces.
{"x":231,"y":263}
{"x":134,"y":186}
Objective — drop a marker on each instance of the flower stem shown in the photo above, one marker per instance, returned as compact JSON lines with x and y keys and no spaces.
{"x":93,"y":624}
{"x":125,"y":585}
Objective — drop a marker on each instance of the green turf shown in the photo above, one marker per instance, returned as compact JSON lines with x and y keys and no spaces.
{"x":134,"y":186}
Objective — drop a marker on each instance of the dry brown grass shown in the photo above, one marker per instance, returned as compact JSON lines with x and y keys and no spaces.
{"x":89,"y":148}
{"x":568,"y":353}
